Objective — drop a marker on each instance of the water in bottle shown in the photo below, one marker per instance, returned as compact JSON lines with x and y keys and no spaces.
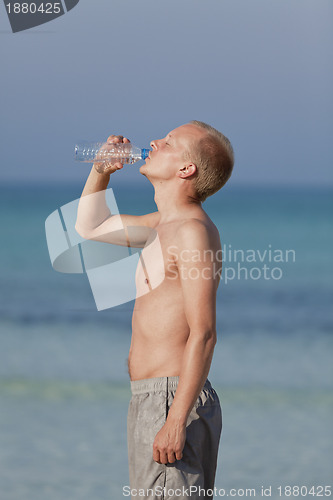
{"x":102,"y":152}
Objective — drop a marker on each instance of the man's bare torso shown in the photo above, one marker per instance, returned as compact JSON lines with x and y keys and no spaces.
{"x":159,"y":326}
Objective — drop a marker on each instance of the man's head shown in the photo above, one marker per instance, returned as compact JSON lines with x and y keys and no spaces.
{"x":213,"y":157}
{"x":195,"y":154}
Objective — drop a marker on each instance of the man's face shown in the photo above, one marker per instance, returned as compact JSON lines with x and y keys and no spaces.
{"x":167,"y":155}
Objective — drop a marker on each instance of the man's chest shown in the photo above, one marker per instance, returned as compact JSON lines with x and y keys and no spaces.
{"x":156,"y":263}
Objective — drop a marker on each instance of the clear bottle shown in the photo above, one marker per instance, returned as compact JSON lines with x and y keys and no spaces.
{"x":102,"y":152}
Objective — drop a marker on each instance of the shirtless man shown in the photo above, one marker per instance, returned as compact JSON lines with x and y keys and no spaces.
{"x":174,"y":419}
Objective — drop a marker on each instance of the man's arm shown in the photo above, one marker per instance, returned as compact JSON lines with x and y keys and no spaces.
{"x":94,"y":219}
{"x":199,"y":285}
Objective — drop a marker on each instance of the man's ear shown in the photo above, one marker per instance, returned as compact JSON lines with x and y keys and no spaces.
{"x":187,"y":171}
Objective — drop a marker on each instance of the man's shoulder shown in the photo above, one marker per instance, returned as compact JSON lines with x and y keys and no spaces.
{"x":197,"y":225}
{"x":197,"y":232}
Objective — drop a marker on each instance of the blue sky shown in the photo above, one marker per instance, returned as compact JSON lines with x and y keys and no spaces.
{"x":260,"y":71}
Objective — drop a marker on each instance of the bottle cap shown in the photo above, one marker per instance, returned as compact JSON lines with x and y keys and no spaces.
{"x":145,"y":153}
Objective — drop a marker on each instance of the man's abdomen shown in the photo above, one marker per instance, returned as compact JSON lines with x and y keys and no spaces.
{"x":159,"y":336}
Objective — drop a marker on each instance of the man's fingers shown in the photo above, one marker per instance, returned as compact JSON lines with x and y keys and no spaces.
{"x":108,"y":167}
{"x":159,"y":455}
{"x":112,"y":167}
{"x":112,"y":139}
{"x":118,"y":165}
{"x":163,"y":458}
{"x":171,"y":458}
{"x":179,"y":455}
{"x":156,"y":456}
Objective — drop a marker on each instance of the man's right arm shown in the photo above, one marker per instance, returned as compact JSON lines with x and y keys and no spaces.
{"x":94,"y":219}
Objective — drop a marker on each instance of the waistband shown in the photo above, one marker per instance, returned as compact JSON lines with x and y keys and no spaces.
{"x":158,"y":384}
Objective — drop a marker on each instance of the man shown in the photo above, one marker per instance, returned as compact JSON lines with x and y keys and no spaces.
{"x":174,"y":420}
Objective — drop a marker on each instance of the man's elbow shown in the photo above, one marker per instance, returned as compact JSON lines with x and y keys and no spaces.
{"x":207,"y":336}
{"x":211,"y":338}
{"x":83,"y":232}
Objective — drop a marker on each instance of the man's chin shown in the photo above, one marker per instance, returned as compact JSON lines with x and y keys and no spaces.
{"x":143,"y":170}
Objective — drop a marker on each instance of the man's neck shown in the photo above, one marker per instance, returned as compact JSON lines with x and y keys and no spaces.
{"x":173,"y":204}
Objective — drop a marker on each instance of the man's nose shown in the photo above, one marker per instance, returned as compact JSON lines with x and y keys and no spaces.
{"x":153,"y":144}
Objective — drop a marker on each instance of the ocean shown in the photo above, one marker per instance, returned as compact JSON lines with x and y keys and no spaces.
{"x":64,"y":387}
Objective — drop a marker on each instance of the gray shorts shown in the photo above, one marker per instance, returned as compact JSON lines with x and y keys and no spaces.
{"x":148,"y":409}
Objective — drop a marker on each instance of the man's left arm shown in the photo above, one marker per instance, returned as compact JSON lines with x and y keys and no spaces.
{"x":196,"y":265}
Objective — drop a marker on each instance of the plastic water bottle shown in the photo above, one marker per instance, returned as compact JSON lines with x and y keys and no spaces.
{"x":102,"y":152}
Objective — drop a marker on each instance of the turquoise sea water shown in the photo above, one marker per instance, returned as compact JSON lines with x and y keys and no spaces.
{"x":63,"y":382}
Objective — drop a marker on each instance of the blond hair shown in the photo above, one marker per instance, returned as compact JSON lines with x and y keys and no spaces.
{"x":214,"y":158}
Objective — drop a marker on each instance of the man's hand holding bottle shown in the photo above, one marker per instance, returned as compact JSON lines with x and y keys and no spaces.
{"x":106,"y":167}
